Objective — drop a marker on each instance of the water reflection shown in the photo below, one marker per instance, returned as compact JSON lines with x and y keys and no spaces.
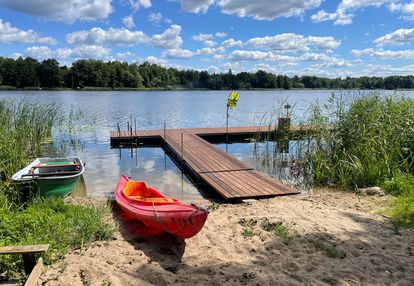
{"x":278,"y":158}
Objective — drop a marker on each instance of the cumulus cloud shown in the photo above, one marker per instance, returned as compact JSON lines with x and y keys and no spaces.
{"x":209,"y":43}
{"x":384,"y":54}
{"x":136,"y":4}
{"x":196,"y":6}
{"x":128,"y":21}
{"x":177,"y":54}
{"x":293,"y":42}
{"x":170,"y":39}
{"x":407,"y":9}
{"x":342,"y":16}
{"x":267,"y":9}
{"x":220,"y":34}
{"x":64,"y":11}
{"x":210,"y":51}
{"x":231,"y":43}
{"x":258,"y":9}
{"x":155,"y":17}
{"x":240,"y":55}
{"x":339,"y":17}
{"x":358,"y":4}
{"x":112,"y":36}
{"x":62,"y":54}
{"x":10,"y":34}
{"x":400,"y":36}
{"x":203,"y":37}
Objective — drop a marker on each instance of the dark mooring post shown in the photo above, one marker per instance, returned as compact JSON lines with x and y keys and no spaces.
{"x":284,"y":123}
{"x":227,"y":127}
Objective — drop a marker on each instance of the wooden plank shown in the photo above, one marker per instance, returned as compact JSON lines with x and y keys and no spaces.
{"x":35,"y":274}
{"x":230,"y":177}
{"x":22,"y":249}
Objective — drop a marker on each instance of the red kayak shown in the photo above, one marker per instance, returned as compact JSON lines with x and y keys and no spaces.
{"x":158,"y":211}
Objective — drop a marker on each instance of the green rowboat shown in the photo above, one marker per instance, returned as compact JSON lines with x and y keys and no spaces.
{"x":51,"y":176}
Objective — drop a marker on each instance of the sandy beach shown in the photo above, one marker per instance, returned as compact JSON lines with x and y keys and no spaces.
{"x":328,"y":238}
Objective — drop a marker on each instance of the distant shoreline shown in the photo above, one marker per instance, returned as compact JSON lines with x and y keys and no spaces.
{"x":11,"y":88}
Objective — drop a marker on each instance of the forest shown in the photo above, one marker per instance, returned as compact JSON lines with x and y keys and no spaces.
{"x":49,"y":74}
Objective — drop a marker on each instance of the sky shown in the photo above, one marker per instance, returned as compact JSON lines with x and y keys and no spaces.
{"x":330,"y":38}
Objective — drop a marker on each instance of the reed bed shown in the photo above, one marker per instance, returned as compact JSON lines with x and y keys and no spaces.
{"x":25,"y":130}
{"x":371,"y":144}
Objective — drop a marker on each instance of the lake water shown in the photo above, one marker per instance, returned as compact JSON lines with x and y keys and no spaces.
{"x":101,"y":111}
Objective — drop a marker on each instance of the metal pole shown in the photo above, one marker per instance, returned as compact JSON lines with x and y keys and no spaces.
{"x":119,"y":129}
{"x":135,"y":125}
{"x":227,"y":127}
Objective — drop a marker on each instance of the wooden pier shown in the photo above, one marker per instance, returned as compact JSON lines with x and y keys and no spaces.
{"x":229,"y":177}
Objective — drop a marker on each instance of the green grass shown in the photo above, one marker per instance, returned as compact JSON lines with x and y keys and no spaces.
{"x":278,"y":229}
{"x":372,"y":144}
{"x":329,"y":250}
{"x":24,"y":128}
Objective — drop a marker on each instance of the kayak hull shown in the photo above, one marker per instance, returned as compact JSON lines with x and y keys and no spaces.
{"x":51,"y":176}
{"x":174,"y":217}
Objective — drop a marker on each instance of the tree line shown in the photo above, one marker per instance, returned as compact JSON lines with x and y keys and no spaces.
{"x":29,"y":72}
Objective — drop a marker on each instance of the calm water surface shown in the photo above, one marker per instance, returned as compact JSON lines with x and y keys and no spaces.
{"x":102,"y":110}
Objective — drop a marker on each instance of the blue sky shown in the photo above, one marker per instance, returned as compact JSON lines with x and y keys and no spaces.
{"x":309,"y":37}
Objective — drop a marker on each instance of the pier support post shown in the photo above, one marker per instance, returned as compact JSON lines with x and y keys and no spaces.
{"x":182,"y":146}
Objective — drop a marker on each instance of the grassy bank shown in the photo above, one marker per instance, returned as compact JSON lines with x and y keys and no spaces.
{"x":372,"y":144}
{"x":24,"y":128}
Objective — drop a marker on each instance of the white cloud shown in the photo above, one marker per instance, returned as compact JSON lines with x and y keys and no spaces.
{"x":10,"y":34}
{"x":384,"y":70}
{"x":400,"y":36}
{"x":342,"y":16}
{"x":155,"y":17}
{"x":128,"y":21}
{"x":339,"y":18}
{"x":359,"y":53}
{"x":64,"y":11}
{"x":293,"y":42}
{"x":112,"y":36}
{"x":209,"y":43}
{"x":385,"y":54}
{"x":196,"y":6}
{"x":358,"y":4}
{"x":62,"y":54}
{"x":406,"y":9}
{"x":240,"y":55}
{"x":267,"y":9}
{"x":220,"y":34}
{"x":231,"y":43}
{"x":170,"y":39}
{"x":203,"y":37}
{"x":258,"y":9}
{"x":210,"y":51}
{"x":124,"y":55}
{"x":155,"y":60}
{"x":136,"y":4}
{"x":177,"y":54}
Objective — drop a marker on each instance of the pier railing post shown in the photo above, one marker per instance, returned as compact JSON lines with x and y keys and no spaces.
{"x":165,"y":131}
{"x":182,"y":146}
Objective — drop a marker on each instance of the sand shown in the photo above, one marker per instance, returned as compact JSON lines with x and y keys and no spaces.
{"x":333,"y":238}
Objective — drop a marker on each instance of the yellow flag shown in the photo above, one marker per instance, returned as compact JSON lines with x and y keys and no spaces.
{"x":232,"y":100}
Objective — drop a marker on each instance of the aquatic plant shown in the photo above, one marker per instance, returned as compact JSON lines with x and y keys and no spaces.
{"x":24,"y":130}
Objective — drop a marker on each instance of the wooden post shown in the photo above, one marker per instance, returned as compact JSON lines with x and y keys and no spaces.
{"x":119,"y":129}
{"x":182,"y":146}
{"x":283,"y":124}
{"x":165,"y":131}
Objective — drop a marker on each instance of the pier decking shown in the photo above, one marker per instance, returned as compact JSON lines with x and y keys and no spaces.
{"x":229,"y":177}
